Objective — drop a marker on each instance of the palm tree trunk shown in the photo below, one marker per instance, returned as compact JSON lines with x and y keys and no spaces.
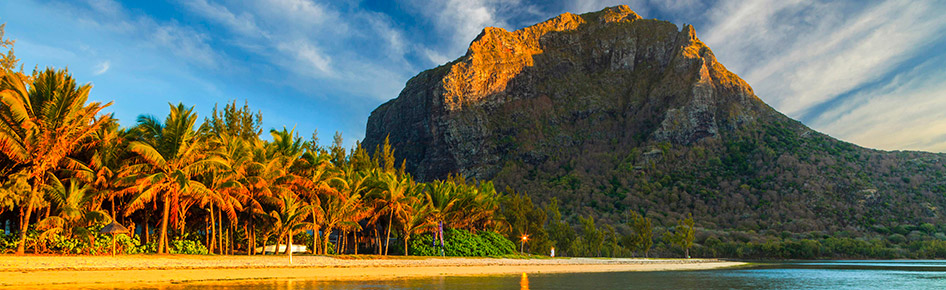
{"x":229,"y":240}
{"x":387,"y":239}
{"x":328,"y":232}
{"x":220,"y":231}
{"x":251,"y":240}
{"x":246,"y":231}
{"x":377,"y":237}
{"x":406,"y":237}
{"x":356,"y":242}
{"x":147,"y":223}
{"x":289,"y":246}
{"x":315,"y":239}
{"x":213,"y":230}
{"x":278,"y":241}
{"x":345,"y":242}
{"x":162,"y":241}
{"x":21,"y":246}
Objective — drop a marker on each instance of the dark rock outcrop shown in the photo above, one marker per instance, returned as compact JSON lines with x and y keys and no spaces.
{"x":454,"y":118}
{"x":608,"y":112}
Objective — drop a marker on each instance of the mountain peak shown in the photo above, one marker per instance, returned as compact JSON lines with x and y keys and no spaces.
{"x":566,"y":67}
{"x":620,"y":13}
{"x":609,"y":112}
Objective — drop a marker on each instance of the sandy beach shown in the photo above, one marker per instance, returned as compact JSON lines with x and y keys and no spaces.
{"x":20,"y":271}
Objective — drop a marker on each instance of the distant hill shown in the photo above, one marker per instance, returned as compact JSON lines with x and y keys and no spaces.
{"x":610,"y":113}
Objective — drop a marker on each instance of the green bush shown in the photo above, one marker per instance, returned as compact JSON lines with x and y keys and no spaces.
{"x":7,"y":242}
{"x":461,"y":243}
{"x":188,"y":247}
{"x":184,"y":245}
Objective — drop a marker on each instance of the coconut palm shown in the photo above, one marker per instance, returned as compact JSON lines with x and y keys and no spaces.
{"x":172,"y":156}
{"x":106,"y":160}
{"x":76,"y":209}
{"x":340,"y":211}
{"x":315,"y":185}
{"x":42,"y":122}
{"x":256,"y":172}
{"x":391,"y":198}
{"x":226,"y":183}
{"x":288,"y":218}
{"x":346,"y":209}
{"x":477,"y":205}
{"x":440,"y":196}
{"x":415,"y":221}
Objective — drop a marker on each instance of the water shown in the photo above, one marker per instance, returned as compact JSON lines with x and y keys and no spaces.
{"x":793,"y":275}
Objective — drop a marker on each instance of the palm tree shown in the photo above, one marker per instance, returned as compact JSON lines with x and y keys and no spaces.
{"x":391,"y":198}
{"x":346,"y":209}
{"x":340,"y":211}
{"x":106,"y":160}
{"x":289,"y":218}
{"x":172,"y":157}
{"x":415,"y":221}
{"x":256,"y":171}
{"x":76,"y":210}
{"x":42,"y":122}
{"x":440,"y":196}
{"x":476,"y":206}
{"x":317,"y":174}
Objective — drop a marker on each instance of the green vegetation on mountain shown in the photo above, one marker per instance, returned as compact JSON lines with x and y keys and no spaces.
{"x":606,"y":115}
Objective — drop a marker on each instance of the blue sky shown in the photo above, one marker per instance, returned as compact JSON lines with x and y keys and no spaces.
{"x":868,"y":73}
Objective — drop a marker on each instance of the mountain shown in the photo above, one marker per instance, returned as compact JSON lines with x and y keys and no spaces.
{"x":609,"y":112}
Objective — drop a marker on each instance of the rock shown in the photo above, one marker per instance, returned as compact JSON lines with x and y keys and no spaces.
{"x":453,"y":118}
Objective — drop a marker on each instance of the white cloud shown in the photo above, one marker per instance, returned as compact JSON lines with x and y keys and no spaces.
{"x":460,"y":21}
{"x":243,"y":24}
{"x":905,"y":113}
{"x":186,"y":43}
{"x":434,"y":57}
{"x":101,"y":68}
{"x":798,"y":54}
{"x":310,"y":56}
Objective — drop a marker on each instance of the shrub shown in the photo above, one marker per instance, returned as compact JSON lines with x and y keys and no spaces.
{"x":462,"y":243}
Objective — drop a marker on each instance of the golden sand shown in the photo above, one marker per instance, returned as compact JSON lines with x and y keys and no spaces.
{"x":36,"y":271}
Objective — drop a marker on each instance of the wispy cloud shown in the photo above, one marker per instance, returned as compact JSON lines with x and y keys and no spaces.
{"x":186,"y":43}
{"x":101,"y":68}
{"x":803,"y":57}
{"x":309,"y":56}
{"x":904,"y":113}
{"x":458,"y":22}
{"x":243,"y":24}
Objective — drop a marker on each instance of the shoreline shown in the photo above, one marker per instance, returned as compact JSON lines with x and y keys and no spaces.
{"x":39,"y":271}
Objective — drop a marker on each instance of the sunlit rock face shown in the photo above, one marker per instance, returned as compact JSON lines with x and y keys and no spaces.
{"x":608,"y":112}
{"x":497,"y":102}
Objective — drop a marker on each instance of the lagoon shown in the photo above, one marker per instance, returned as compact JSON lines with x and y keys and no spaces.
{"x":782,"y":275}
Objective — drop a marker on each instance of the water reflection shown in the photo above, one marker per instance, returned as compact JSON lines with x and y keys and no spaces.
{"x":524,"y":282}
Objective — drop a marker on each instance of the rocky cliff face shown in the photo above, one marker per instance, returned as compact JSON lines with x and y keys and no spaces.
{"x":609,"y":112}
{"x":456,"y":118}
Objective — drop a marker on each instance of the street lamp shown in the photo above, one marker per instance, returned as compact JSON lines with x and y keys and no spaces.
{"x":523,"y":243}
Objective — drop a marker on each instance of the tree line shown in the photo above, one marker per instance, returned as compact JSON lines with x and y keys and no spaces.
{"x":67,"y":169}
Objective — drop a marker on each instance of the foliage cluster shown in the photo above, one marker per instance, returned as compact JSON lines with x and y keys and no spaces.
{"x":463,"y":243}
{"x":215,"y":186}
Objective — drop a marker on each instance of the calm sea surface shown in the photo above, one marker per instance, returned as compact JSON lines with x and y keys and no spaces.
{"x":794,"y":275}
